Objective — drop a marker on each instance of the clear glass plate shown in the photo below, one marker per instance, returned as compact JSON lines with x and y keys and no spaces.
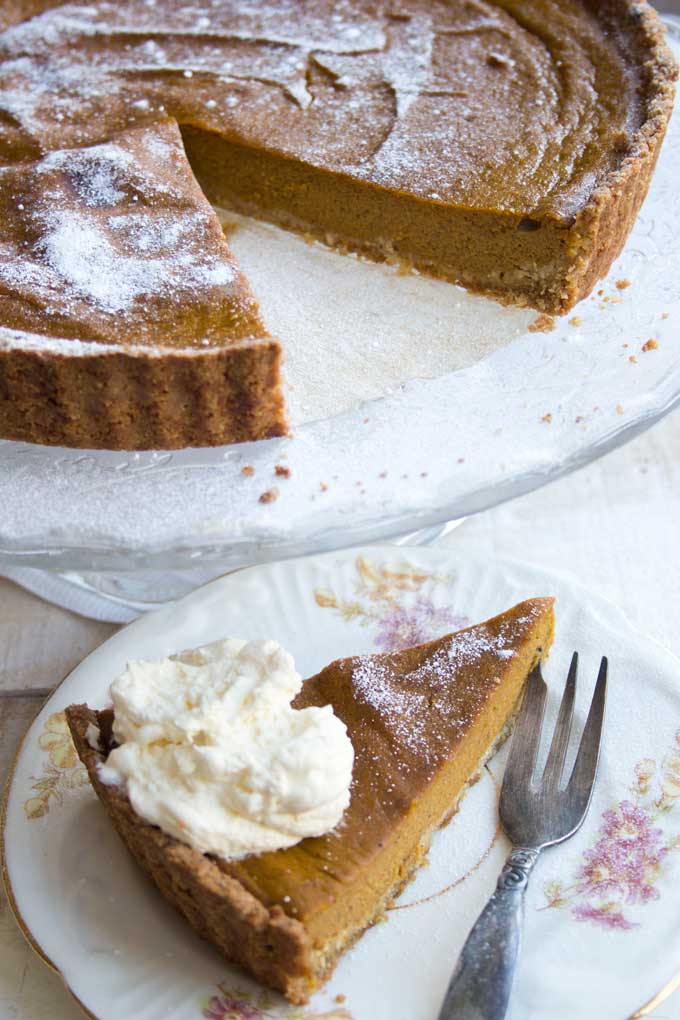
{"x":402,"y":451}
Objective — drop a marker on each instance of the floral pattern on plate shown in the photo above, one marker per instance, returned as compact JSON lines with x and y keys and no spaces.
{"x":62,"y":773}
{"x":236,"y":1004}
{"x":623,"y":866}
{"x":398,"y":601}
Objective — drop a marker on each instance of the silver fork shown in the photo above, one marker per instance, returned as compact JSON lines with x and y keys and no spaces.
{"x":534,"y":815}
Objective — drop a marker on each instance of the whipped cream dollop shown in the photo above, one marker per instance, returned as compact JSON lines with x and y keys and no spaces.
{"x":213,"y":753}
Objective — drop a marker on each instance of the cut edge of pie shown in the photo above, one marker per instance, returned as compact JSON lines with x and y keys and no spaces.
{"x":568,"y":252}
{"x":282,"y":916}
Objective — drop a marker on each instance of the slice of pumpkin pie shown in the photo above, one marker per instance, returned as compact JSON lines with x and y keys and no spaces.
{"x":125,"y":321}
{"x":421,"y":721}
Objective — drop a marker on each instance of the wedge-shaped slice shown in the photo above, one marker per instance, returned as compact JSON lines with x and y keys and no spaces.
{"x":125,"y":321}
{"x":422,"y":722}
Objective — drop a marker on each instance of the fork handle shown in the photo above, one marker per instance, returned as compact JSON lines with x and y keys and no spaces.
{"x":481,"y":983}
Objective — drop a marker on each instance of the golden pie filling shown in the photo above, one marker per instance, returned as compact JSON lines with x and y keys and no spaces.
{"x":505,"y":146}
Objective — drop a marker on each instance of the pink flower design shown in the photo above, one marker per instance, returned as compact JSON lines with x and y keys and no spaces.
{"x":236,"y":1004}
{"x":625,"y":861}
{"x":225,"y":1007}
{"x":403,"y":626}
{"x":624,"y":865}
{"x":604,"y":916}
{"x":397,"y":601}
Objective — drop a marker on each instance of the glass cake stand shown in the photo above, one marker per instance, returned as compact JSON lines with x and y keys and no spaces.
{"x":410,"y":406}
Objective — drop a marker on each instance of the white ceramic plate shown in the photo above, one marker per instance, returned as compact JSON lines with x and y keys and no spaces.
{"x":601,"y":934}
{"x":413,"y":403}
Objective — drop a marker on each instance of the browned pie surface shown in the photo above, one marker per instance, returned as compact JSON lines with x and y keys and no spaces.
{"x":116,"y":243}
{"x":523,"y":106}
{"x":421,"y":722}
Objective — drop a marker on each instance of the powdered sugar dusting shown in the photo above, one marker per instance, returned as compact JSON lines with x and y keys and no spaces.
{"x":96,"y":233}
{"x":401,"y":707}
{"x":114,"y":277}
{"x":407,"y":95}
{"x":96,"y":174}
{"x":17,"y":339}
{"x":411,"y":704}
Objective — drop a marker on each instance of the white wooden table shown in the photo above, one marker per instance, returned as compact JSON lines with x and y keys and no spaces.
{"x":615,"y":526}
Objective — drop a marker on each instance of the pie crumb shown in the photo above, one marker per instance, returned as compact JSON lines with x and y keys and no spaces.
{"x":340,"y":999}
{"x":632,"y":359}
{"x":576,"y":320}
{"x":620,"y":409}
{"x":248,"y":470}
{"x":542,"y":324}
{"x":622,"y":284}
{"x":650,"y":345}
{"x":269,"y":496}
{"x":282,"y":471}
{"x":547,"y":418}
{"x":404,"y":268}
{"x":323,"y":486}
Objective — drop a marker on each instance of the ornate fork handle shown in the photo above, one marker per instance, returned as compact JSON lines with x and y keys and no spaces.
{"x":481,"y":983}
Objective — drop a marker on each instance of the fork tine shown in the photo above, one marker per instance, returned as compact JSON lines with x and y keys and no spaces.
{"x":580,"y":787}
{"x":527,"y":734}
{"x":554,"y":766}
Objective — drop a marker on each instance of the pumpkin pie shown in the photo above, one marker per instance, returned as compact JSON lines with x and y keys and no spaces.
{"x":506,"y":146}
{"x":422,"y":721}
